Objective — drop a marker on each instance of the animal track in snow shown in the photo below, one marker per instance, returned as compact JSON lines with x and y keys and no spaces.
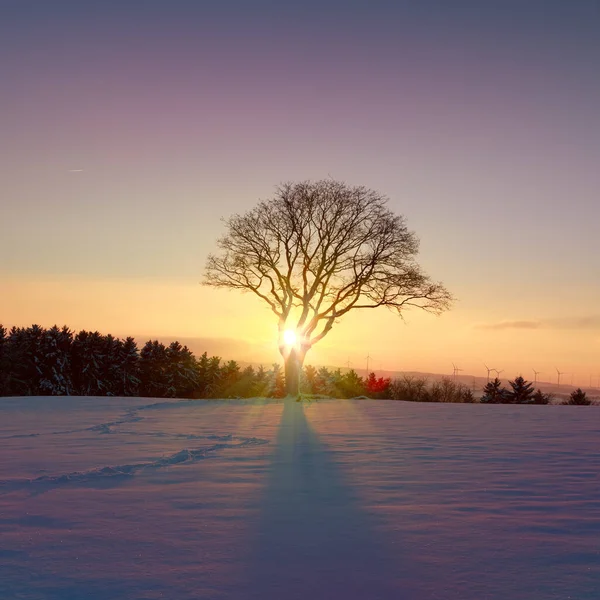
{"x":184,"y":456}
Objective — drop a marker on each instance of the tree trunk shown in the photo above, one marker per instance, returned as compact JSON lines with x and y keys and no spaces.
{"x":293,"y":369}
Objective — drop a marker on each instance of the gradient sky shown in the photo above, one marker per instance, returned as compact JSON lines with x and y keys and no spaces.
{"x":129,"y":128}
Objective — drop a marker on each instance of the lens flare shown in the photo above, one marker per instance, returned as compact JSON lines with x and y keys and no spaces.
{"x":289,"y":337}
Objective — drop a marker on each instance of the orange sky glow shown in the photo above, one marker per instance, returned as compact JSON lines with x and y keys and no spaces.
{"x":127,"y":134}
{"x":238,"y":326}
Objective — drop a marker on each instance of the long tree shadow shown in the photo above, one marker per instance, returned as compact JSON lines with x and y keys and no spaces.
{"x":314,"y":539}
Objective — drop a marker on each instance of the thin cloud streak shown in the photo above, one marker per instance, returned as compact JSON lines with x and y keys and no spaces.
{"x":510,"y":325}
{"x":580,"y":323}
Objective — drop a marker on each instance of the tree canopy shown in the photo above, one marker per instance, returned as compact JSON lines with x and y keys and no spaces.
{"x":317,"y":250}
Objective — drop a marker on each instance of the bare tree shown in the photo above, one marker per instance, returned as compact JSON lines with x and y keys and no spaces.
{"x":316,"y":251}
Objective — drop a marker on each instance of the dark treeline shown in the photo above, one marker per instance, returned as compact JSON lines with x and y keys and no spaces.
{"x":523,"y":392}
{"x":35,"y":361}
{"x":58,"y":362}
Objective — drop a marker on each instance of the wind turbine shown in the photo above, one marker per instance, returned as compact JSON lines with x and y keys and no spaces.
{"x":498,"y":372}
{"x":535,"y":374}
{"x":559,"y":374}
{"x":456,"y":370}
{"x":368,"y":357}
{"x":348,"y":363}
{"x":489,"y":371}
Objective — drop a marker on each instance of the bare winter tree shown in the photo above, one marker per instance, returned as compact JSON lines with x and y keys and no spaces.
{"x":316,"y":251}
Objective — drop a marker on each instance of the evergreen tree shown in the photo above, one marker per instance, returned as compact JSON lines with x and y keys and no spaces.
{"x":277,"y":382}
{"x":493,"y":392}
{"x":110,"y":370}
{"x":261,"y":382}
{"x":129,"y":368}
{"x":154,"y":381}
{"x":468,"y":396}
{"x":15,"y":350}
{"x":4,"y":362}
{"x":324,"y":382}
{"x":230,"y":375}
{"x":351,"y":385}
{"x":243,"y":385}
{"x":540,"y":398}
{"x":522,"y":391}
{"x":579,"y":398}
{"x":209,"y":375}
{"x":371,"y":384}
{"x":203,"y":363}
{"x":309,"y":380}
{"x":377,"y":387}
{"x":335,"y":384}
{"x":55,"y":362}
{"x":181,"y":371}
{"x":87,"y":361}
{"x":26,"y":359}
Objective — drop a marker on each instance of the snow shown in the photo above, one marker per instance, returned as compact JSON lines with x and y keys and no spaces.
{"x":119,"y":498}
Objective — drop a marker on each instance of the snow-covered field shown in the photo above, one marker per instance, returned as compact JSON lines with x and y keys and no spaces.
{"x":142,"y":499}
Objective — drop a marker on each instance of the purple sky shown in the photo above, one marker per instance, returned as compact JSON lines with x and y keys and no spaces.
{"x":478,"y":119}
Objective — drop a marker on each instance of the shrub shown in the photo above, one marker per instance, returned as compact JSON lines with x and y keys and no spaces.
{"x":468,"y":397}
{"x":540,"y":398}
{"x":578,"y":398}
{"x":409,"y":389}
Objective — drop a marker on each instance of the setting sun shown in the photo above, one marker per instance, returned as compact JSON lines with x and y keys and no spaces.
{"x":289,"y":337}
{"x":309,"y":291}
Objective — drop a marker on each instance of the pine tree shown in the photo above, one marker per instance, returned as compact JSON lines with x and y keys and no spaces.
{"x":87,"y":361}
{"x":246,"y":383}
{"x":309,"y":380}
{"x":129,"y":368}
{"x":277,"y":382}
{"x":230,"y":375}
{"x":4,"y":362}
{"x":493,"y":392}
{"x":335,"y":384}
{"x":371,"y":384}
{"x":153,"y":370}
{"x":522,"y":391}
{"x":540,"y":398}
{"x":26,"y":360}
{"x":579,"y":398}
{"x":324,"y":382}
{"x":261,"y":382}
{"x":377,"y":387}
{"x":181,"y":371}
{"x":351,"y":384}
{"x":243,"y":386}
{"x":110,"y":369}
{"x":17,"y":383}
{"x":209,"y":375}
{"x":55,"y":364}
{"x":467,"y":396}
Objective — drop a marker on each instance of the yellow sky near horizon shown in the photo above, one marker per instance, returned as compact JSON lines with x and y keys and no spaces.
{"x":238,"y":326}
{"x":478,"y":123}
